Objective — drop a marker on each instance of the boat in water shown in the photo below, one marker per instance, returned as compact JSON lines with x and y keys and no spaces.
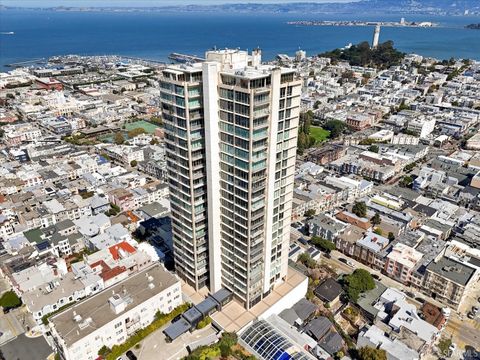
{"x":7,"y":33}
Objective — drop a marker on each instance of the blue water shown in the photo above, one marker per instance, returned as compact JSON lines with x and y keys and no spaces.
{"x":155,"y":35}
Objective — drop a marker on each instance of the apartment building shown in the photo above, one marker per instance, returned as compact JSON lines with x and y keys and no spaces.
{"x":111,"y":316}
{"x":446,"y":281}
{"x":402,"y":262}
{"x":230,"y":130}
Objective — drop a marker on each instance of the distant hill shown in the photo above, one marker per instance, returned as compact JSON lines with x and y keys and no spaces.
{"x":363,"y":6}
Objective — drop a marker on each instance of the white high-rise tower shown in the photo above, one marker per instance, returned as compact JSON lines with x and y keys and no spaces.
{"x":231,"y":128}
{"x":376,"y":36}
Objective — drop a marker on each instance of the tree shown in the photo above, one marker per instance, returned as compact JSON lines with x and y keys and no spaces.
{"x":310,"y":212}
{"x":323,"y":244}
{"x":226,"y":343}
{"x":376,"y":219}
{"x":154,"y":142}
{"x":302,"y":142}
{"x":306,"y":260}
{"x":391,"y":236}
{"x":378,"y":231}
{"x":135,"y":132}
{"x":360,"y":209}
{"x":383,"y":56}
{"x":373,"y":148}
{"x":119,"y":139}
{"x":370,"y":353}
{"x":156,"y":120}
{"x":358,"y":282}
{"x":336,"y":128}
{"x":104,"y":351}
{"x":133,"y":163}
{"x":10,"y":300}
{"x":406,"y":181}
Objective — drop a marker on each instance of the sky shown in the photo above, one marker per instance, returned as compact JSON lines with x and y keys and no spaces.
{"x":141,"y":3}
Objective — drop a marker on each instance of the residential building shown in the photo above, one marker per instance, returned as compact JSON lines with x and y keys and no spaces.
{"x":446,"y":280}
{"x":232,"y":122}
{"x":111,"y":316}
{"x":401,"y":262}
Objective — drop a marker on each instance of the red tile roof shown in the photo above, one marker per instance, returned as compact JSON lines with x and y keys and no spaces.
{"x":107,"y":272}
{"x":116,"y":250}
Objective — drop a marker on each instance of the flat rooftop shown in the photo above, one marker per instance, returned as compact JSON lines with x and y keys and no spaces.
{"x":452,"y":270}
{"x":235,"y":317}
{"x":96,"y":312}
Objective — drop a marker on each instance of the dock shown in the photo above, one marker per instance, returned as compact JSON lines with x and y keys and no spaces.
{"x":26,"y":62}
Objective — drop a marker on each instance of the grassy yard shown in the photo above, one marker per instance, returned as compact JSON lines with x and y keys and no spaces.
{"x":148,"y":127}
{"x":319,"y":133}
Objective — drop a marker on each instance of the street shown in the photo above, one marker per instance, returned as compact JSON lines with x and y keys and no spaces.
{"x":463,"y":331}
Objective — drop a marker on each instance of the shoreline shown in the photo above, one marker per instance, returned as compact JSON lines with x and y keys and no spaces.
{"x":346,"y":23}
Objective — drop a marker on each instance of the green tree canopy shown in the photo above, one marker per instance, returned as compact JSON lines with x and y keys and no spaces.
{"x":360,"y":209}
{"x":104,"y":351}
{"x":307,"y":260}
{"x":376,"y":219}
{"x":406,"y":181}
{"x":370,"y":353}
{"x":383,"y":56}
{"x":373,"y":148}
{"x":135,"y":132}
{"x":323,"y":244}
{"x":310,"y":212}
{"x":336,"y":127}
{"x":119,"y":139}
{"x":358,"y":282}
{"x":10,"y":300}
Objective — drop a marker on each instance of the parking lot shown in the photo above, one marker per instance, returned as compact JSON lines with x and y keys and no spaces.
{"x":155,"y":347}
{"x":23,"y":348}
{"x":10,"y":327}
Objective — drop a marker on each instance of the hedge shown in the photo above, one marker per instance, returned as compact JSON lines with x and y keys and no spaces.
{"x":160,"y":321}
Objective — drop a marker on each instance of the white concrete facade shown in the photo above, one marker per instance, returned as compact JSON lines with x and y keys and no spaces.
{"x":250,"y":123}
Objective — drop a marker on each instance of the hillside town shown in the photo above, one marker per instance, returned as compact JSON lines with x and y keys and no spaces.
{"x":105,"y":176}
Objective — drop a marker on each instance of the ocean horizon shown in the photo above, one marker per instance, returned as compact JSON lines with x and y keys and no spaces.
{"x":154,"y":35}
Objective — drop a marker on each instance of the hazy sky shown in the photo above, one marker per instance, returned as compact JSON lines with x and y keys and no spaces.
{"x":137,"y":3}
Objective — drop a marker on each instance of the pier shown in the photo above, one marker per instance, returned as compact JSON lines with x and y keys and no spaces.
{"x":27,"y":62}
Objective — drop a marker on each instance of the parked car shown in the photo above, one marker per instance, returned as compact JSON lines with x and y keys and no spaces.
{"x":131,"y":355}
{"x":410,"y":294}
{"x":343,"y":260}
{"x":376,"y":277}
{"x":327,"y":255}
{"x":471,"y":315}
{"x":420,"y":300}
{"x":350,"y":263}
{"x":474,"y":310}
